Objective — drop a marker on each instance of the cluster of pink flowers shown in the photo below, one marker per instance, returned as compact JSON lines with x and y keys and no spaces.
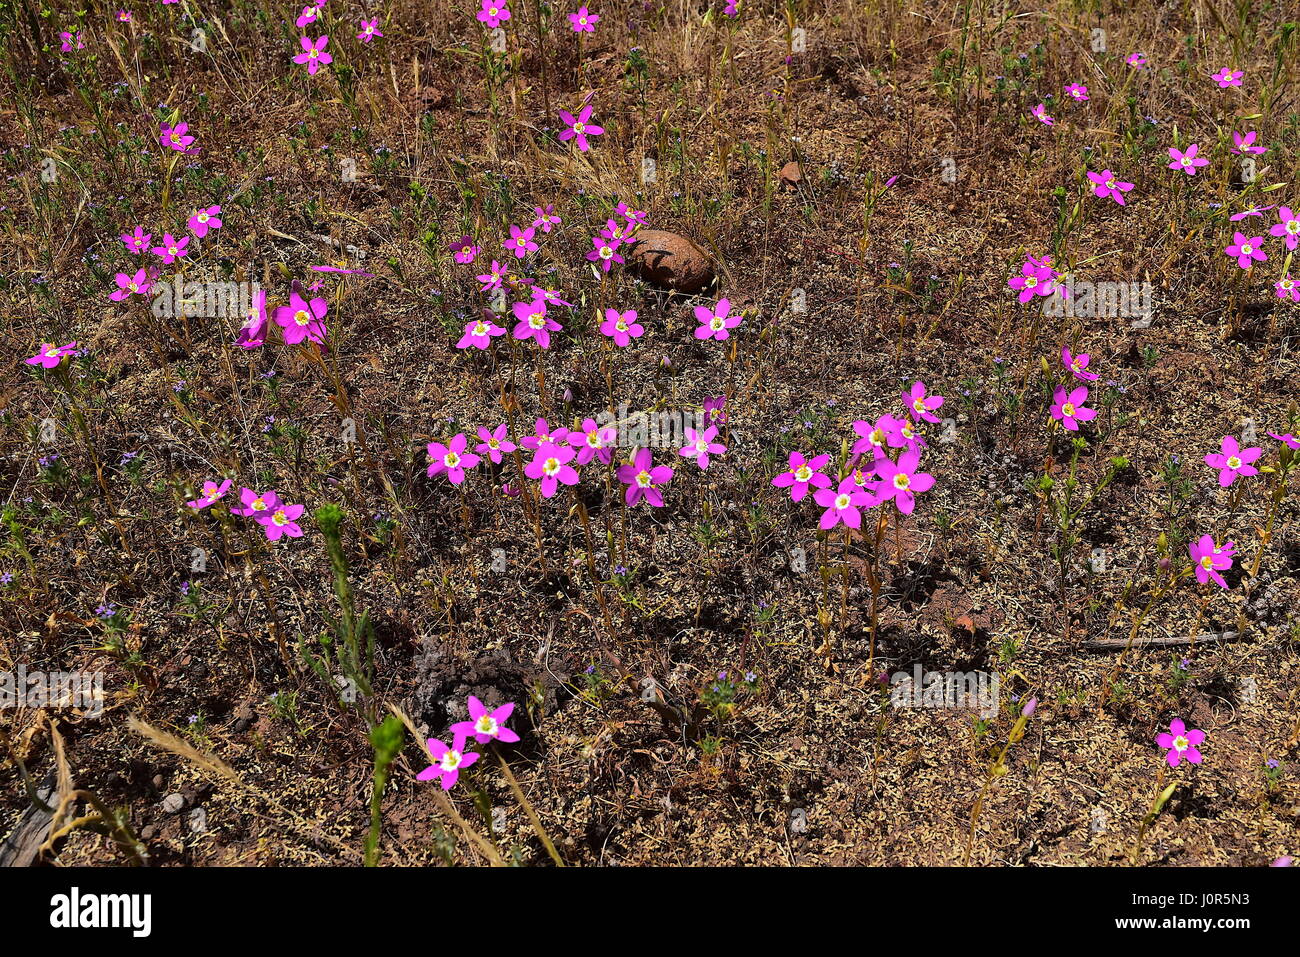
{"x":874,"y":476}
{"x":483,"y":726}
{"x":276,"y":518}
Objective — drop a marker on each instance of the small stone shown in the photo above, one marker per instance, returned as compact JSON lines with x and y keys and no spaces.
{"x":791,"y":175}
{"x":173,"y":803}
{"x":670,"y":261}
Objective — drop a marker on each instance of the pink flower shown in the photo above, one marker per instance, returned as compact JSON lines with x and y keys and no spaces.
{"x":803,"y":474}
{"x":700,"y":445}
{"x":1136,"y":60}
{"x":1289,"y":440}
{"x":1248,"y":212}
{"x":176,"y":138}
{"x":369,"y":30}
{"x":543,"y":435}
{"x":68,"y":38}
{"x":124,"y":16}
{"x":136,"y":242}
{"x":546,"y":219}
{"x":463,"y":250}
{"x":1181,"y":743}
{"x":282,"y":521}
{"x":921,"y":405}
{"x":1107,"y":183}
{"x":605,"y":252}
{"x":1286,"y":287}
{"x":579,"y":127}
{"x":130,"y":285}
{"x":1188,"y":162}
{"x":876,"y":437}
{"x":493,"y":277}
{"x":583,"y":21}
{"x":842,"y":505}
{"x":1226,"y":78}
{"x":1287,"y":227}
{"x":593,"y":441}
{"x":50,"y":355}
{"x":449,"y":761}
{"x":301,"y":319}
{"x":534,"y":323}
{"x":253,"y":331}
{"x":520,"y":242}
{"x":1232,"y":460}
{"x":1035,"y":279}
{"x":313,"y":54}
{"x":494,"y":14}
{"x":256,"y":504}
{"x":486,"y":725}
{"x":211,"y":492}
{"x":1247,"y":249}
{"x":172,"y":248}
{"x":1208,"y":561}
{"x":715,"y":323}
{"x":1068,"y":408}
{"x":901,"y":481}
{"x":1077,"y":91}
{"x":1040,"y":113}
{"x":479,"y":333}
{"x":715,"y":410}
{"x":642,"y":478}
{"x":1242,"y":145}
{"x":1078,"y":365}
{"x":309,"y":15}
{"x":494,"y":444}
{"x":204,"y":220}
{"x":451,"y":458}
{"x":622,"y":327}
{"x":550,"y":466}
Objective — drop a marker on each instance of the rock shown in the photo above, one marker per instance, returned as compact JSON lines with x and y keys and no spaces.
{"x":173,"y":803}
{"x":670,"y":261}
{"x":791,"y":175}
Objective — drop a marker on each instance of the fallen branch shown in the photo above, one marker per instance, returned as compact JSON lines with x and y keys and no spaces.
{"x":1118,"y":644}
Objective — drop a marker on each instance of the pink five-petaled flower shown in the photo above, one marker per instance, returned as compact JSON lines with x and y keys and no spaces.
{"x":1077,"y":91}
{"x":622,"y":327}
{"x":130,"y":285}
{"x":520,"y":242}
{"x":1067,"y":408}
{"x":255,"y":504}
{"x":1136,"y":60}
{"x":534,"y":323}
{"x":876,"y":437}
{"x":493,"y":277}
{"x":1287,"y":288}
{"x":593,"y":441}
{"x":479,"y":333}
{"x":605,"y":252}
{"x":204,"y":220}
{"x":1232,"y":460}
{"x":1187,"y":161}
{"x":700,"y":445}
{"x":1208,"y":561}
{"x":550,"y":466}
{"x":546,"y":219}
{"x":486,"y":725}
{"x":842,"y":505}
{"x":494,"y":444}
{"x":1035,"y":279}
{"x":1245,"y":144}
{"x":901,"y":481}
{"x":1181,"y":742}
{"x":68,"y":37}
{"x":642,"y":478}
{"x":448,"y":761}
{"x":1289,"y":440}
{"x":542,"y":434}
{"x":804,"y":474}
{"x":310,"y":14}
{"x":494,"y":13}
{"x":253,"y":331}
{"x":583,"y":21}
{"x":1246,"y":249}
{"x":921,"y":405}
{"x":280,"y":521}
{"x":1107,"y":184}
{"x":1287,"y":228}
{"x":1226,"y":78}
{"x":301,"y":319}
{"x":313,"y":53}
{"x":136,"y":242}
{"x":715,"y":410}
{"x":1078,"y":365}
{"x":716,"y":323}
{"x":1040,"y":114}
{"x":210,"y":493}
{"x":451,"y":458}
{"x":50,"y":355}
{"x":463,"y":250}
{"x":579,"y":127}
{"x":369,"y":30}
{"x":172,"y":248}
{"x":176,"y":138}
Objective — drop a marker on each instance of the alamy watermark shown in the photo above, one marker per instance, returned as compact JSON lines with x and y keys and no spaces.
{"x":212,"y":300}
{"x":975,"y":690}
{"x":1085,"y":299}
{"x":53,"y":689}
{"x":650,"y":430}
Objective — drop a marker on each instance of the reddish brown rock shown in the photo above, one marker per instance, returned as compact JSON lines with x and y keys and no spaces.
{"x":791,"y":174}
{"x":670,"y":261}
